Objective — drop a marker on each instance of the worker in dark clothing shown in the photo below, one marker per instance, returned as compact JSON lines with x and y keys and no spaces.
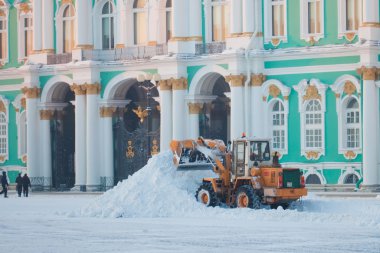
{"x":25,"y":185}
{"x":19,"y":184}
{"x":4,"y":184}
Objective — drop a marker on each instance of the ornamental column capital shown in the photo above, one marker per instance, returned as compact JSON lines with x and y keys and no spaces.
{"x":31,"y":92}
{"x":195,"y":108}
{"x":235,"y":80}
{"x":107,"y":112}
{"x":93,"y":89}
{"x":368,"y":73}
{"x":46,"y":114}
{"x":78,"y":89}
{"x":258,"y":79}
{"x":165,"y":85}
{"x":178,"y":84}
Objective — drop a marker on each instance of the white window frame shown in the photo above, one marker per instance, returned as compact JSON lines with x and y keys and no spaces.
{"x":314,"y":126}
{"x":213,"y":4}
{"x":301,"y":88}
{"x":60,"y":20}
{"x":304,"y":22}
{"x":342,"y":21}
{"x":269,"y":38}
{"x":4,"y":11}
{"x":21,"y":32}
{"x":269,"y":102}
{"x":315,"y":171}
{"x":97,"y":20}
{"x":140,"y":10}
{"x":6,"y":115}
{"x":341,"y":101}
{"x":168,"y":11}
{"x":208,"y":4}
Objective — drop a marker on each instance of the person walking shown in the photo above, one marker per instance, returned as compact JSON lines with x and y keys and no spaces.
{"x":4,"y":184}
{"x":25,"y":185}
{"x":19,"y":184}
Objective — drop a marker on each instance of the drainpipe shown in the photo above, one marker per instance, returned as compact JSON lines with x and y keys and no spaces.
{"x":248,"y":73}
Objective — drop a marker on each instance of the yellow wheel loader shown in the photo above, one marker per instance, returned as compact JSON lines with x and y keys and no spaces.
{"x":248,"y":176}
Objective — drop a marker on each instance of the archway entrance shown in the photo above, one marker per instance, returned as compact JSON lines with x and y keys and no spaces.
{"x":136,"y":129}
{"x":62,"y":128}
{"x":214,"y":118}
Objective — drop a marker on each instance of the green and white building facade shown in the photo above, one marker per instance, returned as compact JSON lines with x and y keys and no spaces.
{"x":301,"y":72}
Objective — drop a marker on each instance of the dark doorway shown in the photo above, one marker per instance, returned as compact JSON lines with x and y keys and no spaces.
{"x":63,"y":145}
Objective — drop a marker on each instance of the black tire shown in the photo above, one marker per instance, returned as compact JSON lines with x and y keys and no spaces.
{"x":247,"y":198}
{"x":206,"y":195}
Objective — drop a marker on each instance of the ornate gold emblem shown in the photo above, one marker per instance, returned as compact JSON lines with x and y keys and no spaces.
{"x":350,"y":36}
{"x":235,"y":80}
{"x":349,"y":88}
{"x":312,"y":41}
{"x":142,"y":114}
{"x":2,"y":107}
{"x":24,"y":7}
{"x":369,"y":73}
{"x":24,"y":158}
{"x":130,"y":151}
{"x":275,"y":42}
{"x":258,"y":79}
{"x":2,"y":158}
{"x":350,"y":155}
{"x":195,"y":108}
{"x":66,"y":2}
{"x":311,"y":93}
{"x":312,"y":155}
{"x":155,"y":148}
{"x":274,"y":91}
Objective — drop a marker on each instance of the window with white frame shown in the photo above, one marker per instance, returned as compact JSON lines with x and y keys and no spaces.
{"x":313,"y":125}
{"x":27,"y":33}
{"x":108,"y":16}
{"x":140,"y":22}
{"x":278,"y":126}
{"x":3,"y":134}
{"x":3,"y":38}
{"x":168,"y":22}
{"x":312,"y":19}
{"x":68,"y":37}
{"x":220,"y":23}
{"x":350,"y":16}
{"x":352,"y":126}
{"x":278,"y":10}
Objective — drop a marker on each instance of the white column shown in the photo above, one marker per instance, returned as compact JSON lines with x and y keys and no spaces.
{"x":248,"y":16}
{"x":180,"y":18}
{"x":256,"y":105}
{"x":236,"y":17}
{"x":121,"y":28}
{"x":237,"y":105}
{"x":106,"y":114}
{"x":370,"y":11}
{"x":48,"y":26}
{"x":195,"y":9}
{"x":80,"y":135}
{"x":83,"y":24}
{"x":37,"y":25}
{"x":179,"y":107}
{"x":194,"y":110}
{"x":93,"y":173}
{"x":33,"y":169}
{"x":46,"y":160}
{"x":370,"y":128}
{"x":166,"y":113}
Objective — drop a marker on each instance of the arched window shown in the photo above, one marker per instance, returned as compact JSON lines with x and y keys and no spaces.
{"x":351,"y":179}
{"x":313,"y":179}
{"x":220,"y":20}
{"x":278,"y":126}
{"x":313,"y":124}
{"x":140,"y":22}
{"x":68,"y":20}
{"x":108,"y":37}
{"x":352,"y":126}
{"x":3,"y":135}
{"x":3,"y":38}
{"x":168,"y":20}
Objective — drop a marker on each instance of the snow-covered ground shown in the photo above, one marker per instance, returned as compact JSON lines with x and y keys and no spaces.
{"x":157,"y":212}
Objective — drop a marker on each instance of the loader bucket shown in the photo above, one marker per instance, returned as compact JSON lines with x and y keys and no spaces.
{"x":192,"y":167}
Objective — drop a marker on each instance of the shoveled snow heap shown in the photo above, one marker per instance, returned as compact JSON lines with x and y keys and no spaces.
{"x":159,"y":190}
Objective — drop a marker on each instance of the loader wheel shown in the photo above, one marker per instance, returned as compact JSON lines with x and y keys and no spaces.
{"x":206,"y":195}
{"x":247,"y":198}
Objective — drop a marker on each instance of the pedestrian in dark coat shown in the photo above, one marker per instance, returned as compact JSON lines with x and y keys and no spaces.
{"x":19,"y":184}
{"x":25,"y":185}
{"x":4,"y":184}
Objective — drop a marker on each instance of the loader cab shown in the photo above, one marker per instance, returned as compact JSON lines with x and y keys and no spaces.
{"x":250,"y":153}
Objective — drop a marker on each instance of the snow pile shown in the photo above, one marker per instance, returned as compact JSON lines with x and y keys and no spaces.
{"x":157,"y":190}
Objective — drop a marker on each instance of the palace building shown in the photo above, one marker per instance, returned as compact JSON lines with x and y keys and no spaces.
{"x":90,"y":89}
